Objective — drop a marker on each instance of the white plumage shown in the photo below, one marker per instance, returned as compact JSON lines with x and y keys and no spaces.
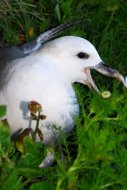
{"x":46,"y":76}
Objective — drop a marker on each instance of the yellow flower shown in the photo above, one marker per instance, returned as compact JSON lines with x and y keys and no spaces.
{"x":106,"y":94}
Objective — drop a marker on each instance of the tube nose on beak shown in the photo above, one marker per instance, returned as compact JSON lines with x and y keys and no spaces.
{"x":108,"y":71}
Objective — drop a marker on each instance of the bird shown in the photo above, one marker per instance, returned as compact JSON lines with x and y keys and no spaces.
{"x":45,"y":72}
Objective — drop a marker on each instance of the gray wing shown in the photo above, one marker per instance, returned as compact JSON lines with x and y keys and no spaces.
{"x":8,"y":54}
{"x":46,"y":36}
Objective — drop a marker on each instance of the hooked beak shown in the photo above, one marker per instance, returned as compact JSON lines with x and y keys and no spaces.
{"x":107,"y":71}
{"x":103,"y":69}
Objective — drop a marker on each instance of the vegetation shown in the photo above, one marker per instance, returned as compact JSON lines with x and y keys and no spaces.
{"x":94,"y":156}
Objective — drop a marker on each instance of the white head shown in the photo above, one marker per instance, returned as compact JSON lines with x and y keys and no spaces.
{"x":75,"y":56}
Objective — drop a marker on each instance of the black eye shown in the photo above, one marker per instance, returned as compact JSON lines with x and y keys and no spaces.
{"x":82,"y":55}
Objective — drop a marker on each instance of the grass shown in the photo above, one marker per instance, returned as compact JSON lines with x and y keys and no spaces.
{"x":94,"y":156}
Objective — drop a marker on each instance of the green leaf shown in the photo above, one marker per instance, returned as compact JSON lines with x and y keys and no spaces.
{"x":2,"y":110}
{"x":5,"y":141}
{"x":58,"y":12}
{"x":42,"y":186}
{"x":12,"y":182}
{"x":19,"y":141}
{"x":35,"y":173}
{"x":33,"y":155}
{"x":66,"y":7}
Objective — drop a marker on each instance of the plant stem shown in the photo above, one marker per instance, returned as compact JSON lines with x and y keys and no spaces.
{"x":37,"y":127}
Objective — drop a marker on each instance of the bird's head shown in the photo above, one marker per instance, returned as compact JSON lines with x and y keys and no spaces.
{"x":75,"y":57}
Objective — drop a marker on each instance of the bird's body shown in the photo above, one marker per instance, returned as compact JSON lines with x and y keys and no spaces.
{"x":37,"y":78}
{"x":46,"y":76}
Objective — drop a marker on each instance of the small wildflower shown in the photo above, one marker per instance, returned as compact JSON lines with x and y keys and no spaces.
{"x":34,"y":107}
{"x":106,"y":94}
